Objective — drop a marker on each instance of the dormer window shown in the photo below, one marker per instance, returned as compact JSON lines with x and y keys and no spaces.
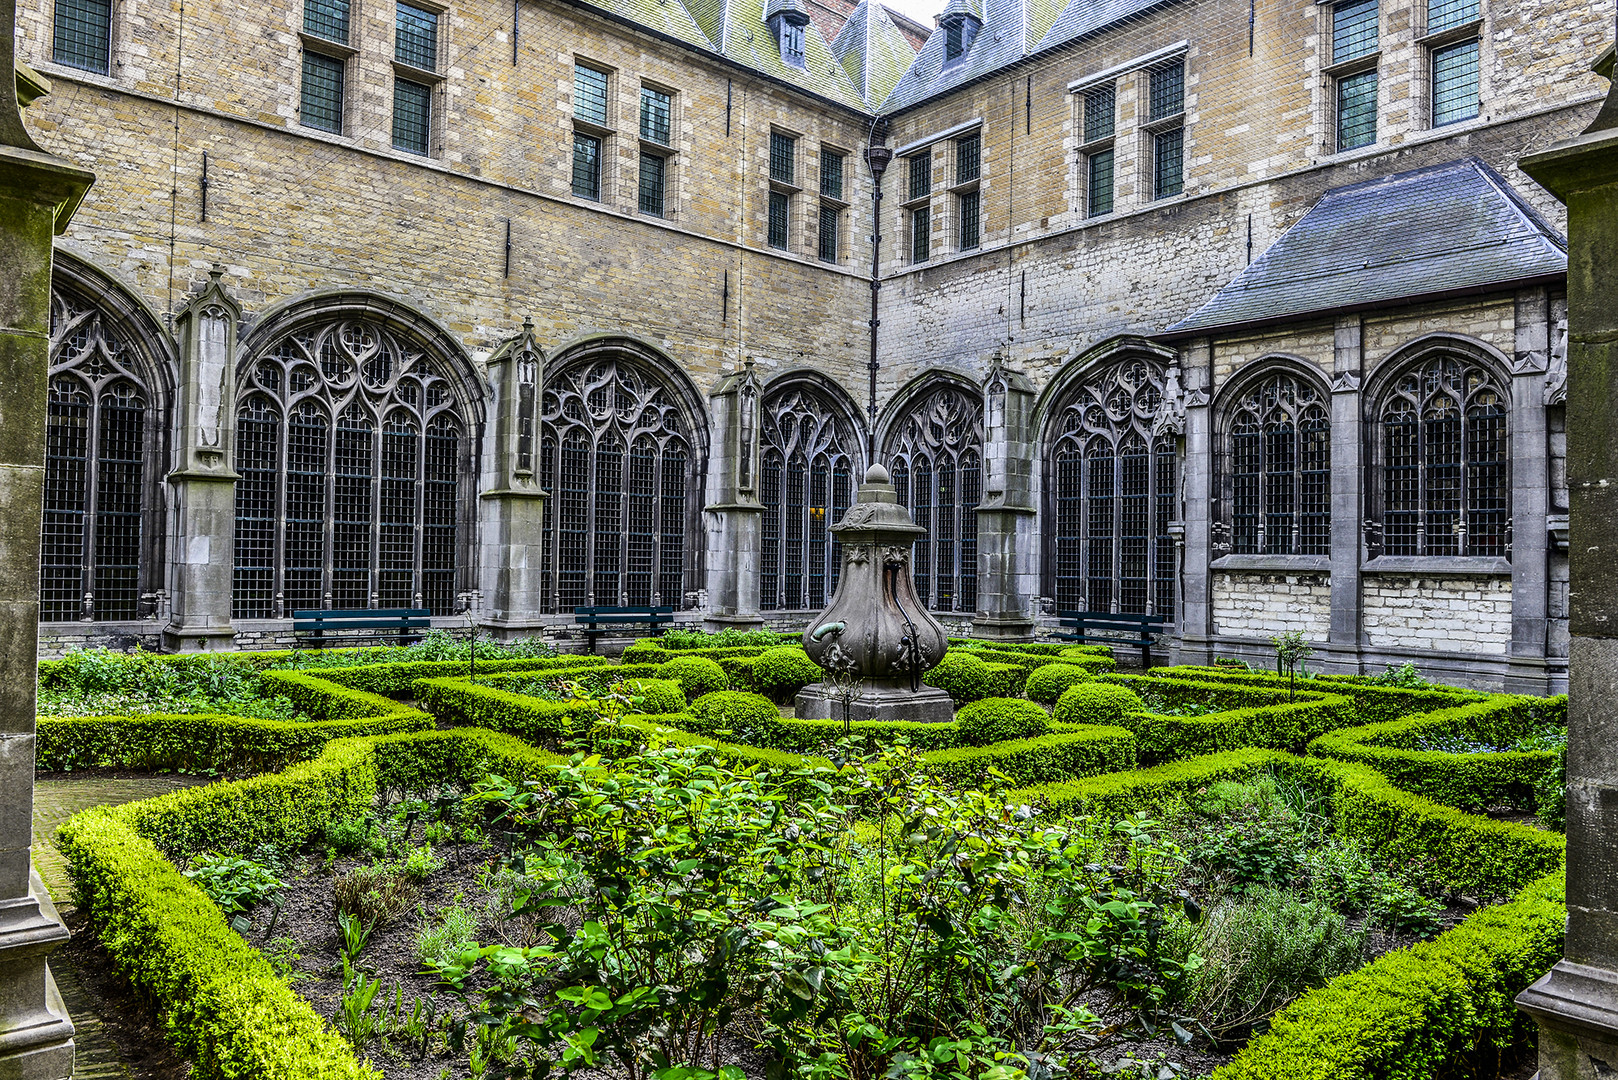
{"x":960,"y":26}
{"x":787,"y":19}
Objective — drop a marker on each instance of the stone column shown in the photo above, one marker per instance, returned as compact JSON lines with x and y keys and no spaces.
{"x":511,"y":562}
{"x":201,"y":552}
{"x":1576,"y":1003}
{"x":1195,"y":641}
{"x":1342,"y":653}
{"x":38,"y":194}
{"x":1008,"y":543}
{"x":1530,"y":495}
{"x":735,"y":517}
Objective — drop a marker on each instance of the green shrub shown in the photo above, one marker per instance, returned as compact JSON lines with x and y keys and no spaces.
{"x":1550,"y":793}
{"x":780,"y":673}
{"x":992,"y":720}
{"x":645,"y":651}
{"x":751,"y":719}
{"x":1046,"y":683}
{"x":962,"y":675}
{"x":1150,"y":790}
{"x":1047,"y":759}
{"x":696,"y":675}
{"x":1096,"y":703}
{"x":656,"y":695}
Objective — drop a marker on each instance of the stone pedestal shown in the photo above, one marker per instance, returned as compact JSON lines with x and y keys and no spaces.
{"x":878,"y":699}
{"x":1576,"y":1003}
{"x":38,"y":194}
{"x":1008,"y":540}
{"x":512,"y":505}
{"x":735,"y":517}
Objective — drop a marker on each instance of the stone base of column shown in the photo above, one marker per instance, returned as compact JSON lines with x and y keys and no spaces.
{"x":507,"y":631}
{"x":1003,"y":627}
{"x":178,"y":638}
{"x":715,"y":623}
{"x":878,"y":700}
{"x":36,"y":1039}
{"x":1576,"y":1006}
{"x":1190,"y":649}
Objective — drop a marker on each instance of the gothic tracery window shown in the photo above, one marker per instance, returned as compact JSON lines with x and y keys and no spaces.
{"x":1445,"y":476}
{"x":1113,"y":494}
{"x":349,"y":445}
{"x":1278,"y":463}
{"x":806,"y":484}
{"x":936,"y":458}
{"x":96,"y":450}
{"x":618,"y":457}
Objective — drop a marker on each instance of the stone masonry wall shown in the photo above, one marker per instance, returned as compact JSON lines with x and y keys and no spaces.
{"x":1261,"y":606}
{"x":1459,"y":614}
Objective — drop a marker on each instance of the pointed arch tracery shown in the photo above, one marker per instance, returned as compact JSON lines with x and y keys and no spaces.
{"x":353,"y":450}
{"x":810,"y":454}
{"x":935,"y":455}
{"x":1276,"y":454}
{"x":1112,"y":493}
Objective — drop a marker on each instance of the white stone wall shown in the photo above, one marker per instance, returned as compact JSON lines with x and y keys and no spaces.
{"x":1461,"y":615}
{"x":1263,"y":605}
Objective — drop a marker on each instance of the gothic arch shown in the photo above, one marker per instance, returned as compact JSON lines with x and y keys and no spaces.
{"x":1273,"y":459}
{"x":111,"y":386}
{"x":623,"y":451}
{"x":357,"y":437}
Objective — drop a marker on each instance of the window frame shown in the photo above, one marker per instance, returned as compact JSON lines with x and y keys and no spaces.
{"x":1162,"y":124}
{"x":339,"y":64}
{"x":429,"y":127}
{"x":1254,"y":380}
{"x":1348,"y":67}
{"x":1096,"y":140}
{"x":591,"y":129}
{"x":110,"y":45}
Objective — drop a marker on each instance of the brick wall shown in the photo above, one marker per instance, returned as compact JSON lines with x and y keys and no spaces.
{"x":1463,"y":615}
{"x":1262,"y":606}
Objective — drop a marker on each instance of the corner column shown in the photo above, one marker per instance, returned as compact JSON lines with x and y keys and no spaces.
{"x":1008,"y":543}
{"x":1342,"y":652}
{"x":38,"y":194}
{"x":1195,"y":642}
{"x":1576,"y":1003}
{"x":735,"y":517}
{"x":202,"y":553}
{"x":1530,"y":495}
{"x":511,"y":553}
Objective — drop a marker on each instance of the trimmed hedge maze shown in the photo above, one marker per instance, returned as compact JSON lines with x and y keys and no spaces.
{"x":1399,"y":771}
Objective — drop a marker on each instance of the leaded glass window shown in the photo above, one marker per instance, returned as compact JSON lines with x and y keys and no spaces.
{"x":1356,"y":110}
{"x":921,"y":175}
{"x":968,"y":158}
{"x":1100,"y":113}
{"x":653,"y":175}
{"x":829,"y":219}
{"x":1114,"y":495}
{"x":1167,"y":91}
{"x":586,"y":166}
{"x":589,"y":94}
{"x":1447,"y":14}
{"x":416,"y":37}
{"x":616,"y":452}
{"x":1445,"y":474}
{"x":1168,"y":163}
{"x":831,"y":174}
{"x":1099,"y":185}
{"x":1279,"y":468}
{"x":83,"y":34}
{"x":327,"y":19}
{"x":655,"y":109}
{"x":1455,"y":83}
{"x":350,"y":446}
{"x":936,"y":459}
{"x":97,"y":443}
{"x":322,"y":103}
{"x":779,"y":205}
{"x":806,"y":486}
{"x":967,"y":211}
{"x":412,"y":111}
{"x":1353,"y":30}
{"x":921,"y":234}
{"x":783,"y":157}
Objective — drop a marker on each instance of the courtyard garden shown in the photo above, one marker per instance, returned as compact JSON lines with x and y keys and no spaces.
{"x":407,"y":864}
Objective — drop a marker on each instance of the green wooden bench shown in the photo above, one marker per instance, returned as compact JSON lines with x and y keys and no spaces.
{"x":388,"y":626}
{"x":604,"y":620}
{"x":1105,"y":628}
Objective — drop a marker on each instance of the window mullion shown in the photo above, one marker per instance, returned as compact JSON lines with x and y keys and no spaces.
{"x":328,"y":528}
{"x":417,"y":582}
{"x":374,"y":577}
{"x":1116,"y":507}
{"x":592,"y":452}
{"x":278,"y":576}
{"x":92,"y":500}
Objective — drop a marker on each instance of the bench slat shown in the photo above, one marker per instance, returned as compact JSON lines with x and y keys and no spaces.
{"x":364,"y":624}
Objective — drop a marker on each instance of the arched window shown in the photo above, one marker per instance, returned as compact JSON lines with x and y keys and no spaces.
{"x":617,"y":455}
{"x":349,"y":446}
{"x":98,"y":442}
{"x":1113,"y":495}
{"x":806,"y":485}
{"x":936,"y":458}
{"x":1442,"y":456}
{"x":1278,"y":467}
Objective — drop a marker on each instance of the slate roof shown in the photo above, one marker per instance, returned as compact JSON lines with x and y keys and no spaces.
{"x":1435,"y":230}
{"x":748,"y":41}
{"x":1010,"y":30}
{"x":873,"y":50}
{"x":1082,"y":17}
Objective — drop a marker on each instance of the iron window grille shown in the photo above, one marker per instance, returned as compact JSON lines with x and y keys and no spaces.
{"x":327,"y":19}
{"x":83,"y":34}
{"x":1168,"y":163}
{"x":791,"y":40}
{"x":1356,"y":110}
{"x":831,"y":174}
{"x":656,"y":108}
{"x":1098,"y":187}
{"x":1167,"y":97}
{"x":1444,"y":469}
{"x":1445,"y":15}
{"x":1279,"y":468}
{"x":350,"y":448}
{"x":830,"y":218}
{"x":779,"y":205}
{"x":586,"y":166}
{"x":618,"y":455}
{"x":921,"y":175}
{"x":1100,"y":113}
{"x":415,"y":39}
{"x":653,"y":174}
{"x":953,"y":47}
{"x":589,"y":94}
{"x":1353,"y":30}
{"x":967,"y":206}
{"x":1114,"y":495}
{"x":98,"y":438}
{"x":936,"y":458}
{"x":806,"y":486}
{"x":968,"y":158}
{"x":1455,"y":83}
{"x":412,"y":116}
{"x":322,"y":102}
{"x":783,"y":157}
{"x":921,"y":234}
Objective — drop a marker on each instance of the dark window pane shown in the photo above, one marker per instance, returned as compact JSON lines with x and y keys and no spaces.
{"x":258,"y":460}
{"x":967,"y":206}
{"x":655,"y":109}
{"x":968,"y":158}
{"x":322,"y":105}
{"x":1100,"y":185}
{"x":952,"y":40}
{"x":1455,"y":83}
{"x":67,"y":471}
{"x":1444,"y":14}
{"x":828,"y":233}
{"x":921,"y":235}
{"x":589,"y":94}
{"x":416,"y":37}
{"x":921,"y":175}
{"x":84,"y":34}
{"x":586,"y":166}
{"x":1168,"y":175}
{"x":327,"y":19}
{"x":783,"y":152}
{"x":778,"y":220}
{"x":1353,"y":30}
{"x":1168,"y":90}
{"x":831,"y":174}
{"x":1100,"y":113}
{"x":412,"y":109}
{"x":652,"y":170}
{"x":1356,"y":110}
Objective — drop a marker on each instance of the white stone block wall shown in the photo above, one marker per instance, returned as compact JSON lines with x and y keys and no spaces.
{"x":1458,"y":615}
{"x":1264,"y":605}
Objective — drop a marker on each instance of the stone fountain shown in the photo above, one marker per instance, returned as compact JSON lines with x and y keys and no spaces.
{"x":876,"y":637}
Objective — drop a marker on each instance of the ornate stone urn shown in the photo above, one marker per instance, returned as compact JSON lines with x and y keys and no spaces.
{"x":875,"y":639}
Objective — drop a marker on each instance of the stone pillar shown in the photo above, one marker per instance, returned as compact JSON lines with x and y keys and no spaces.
{"x":1008,"y":542}
{"x":1530,"y":495}
{"x":1342,"y":652}
{"x":38,"y":194}
{"x":511,"y":562}
{"x":735,"y":517}
{"x":1576,"y":1003}
{"x":201,"y":552}
{"x":1195,"y":642}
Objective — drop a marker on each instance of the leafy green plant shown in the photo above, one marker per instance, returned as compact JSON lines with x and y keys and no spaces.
{"x":374,"y":894}
{"x":440,"y":941}
{"x":354,"y":1018}
{"x":1046,"y":684}
{"x":696,"y":675}
{"x":1550,"y":794}
{"x":284,"y":957}
{"x":1291,"y":649}
{"x":1403,"y":910}
{"x":237,"y":885}
{"x":1405,"y":676}
{"x":353,"y":935}
{"x":779,"y":673}
{"x":420,"y":863}
{"x":1096,"y":703}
